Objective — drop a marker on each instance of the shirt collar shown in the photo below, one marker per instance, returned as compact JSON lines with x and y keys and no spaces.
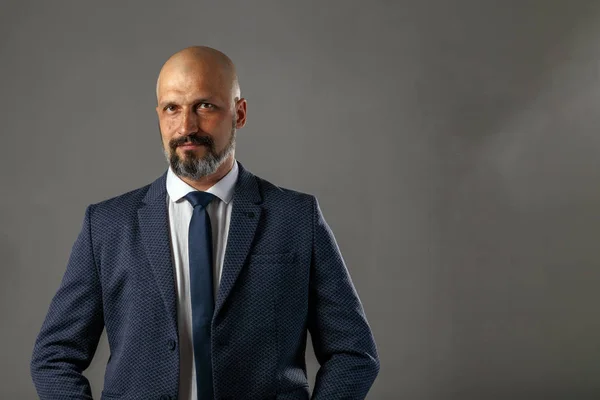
{"x":223,"y":189}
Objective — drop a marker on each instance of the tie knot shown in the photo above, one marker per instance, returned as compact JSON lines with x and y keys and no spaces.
{"x":198,"y":198}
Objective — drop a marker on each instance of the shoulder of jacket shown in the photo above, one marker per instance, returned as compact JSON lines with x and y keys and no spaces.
{"x":271,"y":191}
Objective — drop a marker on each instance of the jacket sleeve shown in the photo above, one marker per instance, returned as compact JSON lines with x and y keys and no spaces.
{"x":341,"y":336}
{"x":70,"y":333}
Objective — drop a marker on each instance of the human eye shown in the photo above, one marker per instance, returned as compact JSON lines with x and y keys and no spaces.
{"x":169,"y":108}
{"x":206,"y":106}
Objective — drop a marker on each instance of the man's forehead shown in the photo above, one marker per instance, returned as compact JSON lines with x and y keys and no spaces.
{"x":185,"y":78}
{"x":198,"y":70}
{"x":183,"y":82}
{"x":191,"y":96}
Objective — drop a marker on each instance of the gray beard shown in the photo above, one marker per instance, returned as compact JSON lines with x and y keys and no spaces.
{"x":194,"y":167}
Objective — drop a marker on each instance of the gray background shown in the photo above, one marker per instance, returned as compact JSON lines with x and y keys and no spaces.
{"x":453,"y":147}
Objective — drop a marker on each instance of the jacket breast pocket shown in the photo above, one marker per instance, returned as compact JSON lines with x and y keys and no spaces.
{"x":272,"y":258}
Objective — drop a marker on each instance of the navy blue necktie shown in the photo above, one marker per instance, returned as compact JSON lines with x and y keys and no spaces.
{"x":201,"y":290}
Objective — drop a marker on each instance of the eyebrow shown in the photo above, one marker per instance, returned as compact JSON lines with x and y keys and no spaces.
{"x":165,"y":103}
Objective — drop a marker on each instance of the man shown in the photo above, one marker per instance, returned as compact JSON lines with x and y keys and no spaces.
{"x":207,"y":279}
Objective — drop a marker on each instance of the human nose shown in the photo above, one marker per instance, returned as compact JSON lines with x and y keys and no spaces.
{"x":188,"y":124}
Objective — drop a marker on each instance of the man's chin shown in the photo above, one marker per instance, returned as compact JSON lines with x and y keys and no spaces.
{"x":192,"y":149}
{"x":191,"y":155}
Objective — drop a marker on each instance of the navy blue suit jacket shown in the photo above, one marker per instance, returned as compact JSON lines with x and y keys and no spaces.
{"x":283,"y":274}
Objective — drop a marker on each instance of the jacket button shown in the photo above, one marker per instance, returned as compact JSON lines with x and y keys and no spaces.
{"x":172,"y":345}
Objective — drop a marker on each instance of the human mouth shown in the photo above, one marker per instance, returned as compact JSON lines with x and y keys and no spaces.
{"x":189,"y":146}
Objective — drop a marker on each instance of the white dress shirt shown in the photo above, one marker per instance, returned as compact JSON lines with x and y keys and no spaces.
{"x":180,"y":214}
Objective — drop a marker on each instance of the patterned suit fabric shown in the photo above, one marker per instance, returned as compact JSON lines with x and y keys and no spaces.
{"x":283,"y":273}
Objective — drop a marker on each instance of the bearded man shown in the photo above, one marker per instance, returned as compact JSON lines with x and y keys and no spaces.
{"x":208,"y":279}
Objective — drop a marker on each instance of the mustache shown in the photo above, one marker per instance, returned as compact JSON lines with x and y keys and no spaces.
{"x":193,"y":139}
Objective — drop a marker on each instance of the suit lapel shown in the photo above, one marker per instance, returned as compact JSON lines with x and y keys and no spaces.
{"x":245,"y":214}
{"x":154,"y":227}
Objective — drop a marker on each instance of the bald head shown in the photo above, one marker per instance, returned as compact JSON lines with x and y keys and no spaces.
{"x":199,"y":62}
